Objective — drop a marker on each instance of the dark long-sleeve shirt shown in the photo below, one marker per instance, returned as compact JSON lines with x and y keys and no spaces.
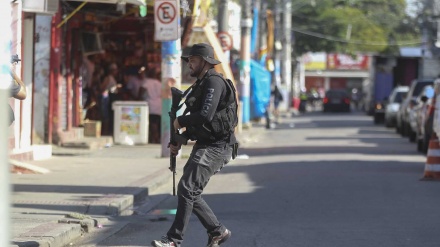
{"x":214,"y":91}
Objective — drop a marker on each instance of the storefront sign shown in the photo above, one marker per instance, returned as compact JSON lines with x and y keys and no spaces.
{"x":166,"y":20}
{"x":346,"y":62}
{"x":314,"y":61}
{"x":130,"y":120}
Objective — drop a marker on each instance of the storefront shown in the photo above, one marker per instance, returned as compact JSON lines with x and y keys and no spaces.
{"x":63,"y":44}
{"x":90,"y":40}
{"x":54,"y":40}
{"x":335,"y":71}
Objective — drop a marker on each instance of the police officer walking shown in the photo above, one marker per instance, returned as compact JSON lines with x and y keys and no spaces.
{"x":210,"y":95}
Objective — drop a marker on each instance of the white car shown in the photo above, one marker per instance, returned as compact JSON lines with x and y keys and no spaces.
{"x":393,"y":105}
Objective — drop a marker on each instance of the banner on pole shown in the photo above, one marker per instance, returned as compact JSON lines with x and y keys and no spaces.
{"x":166,"y":20}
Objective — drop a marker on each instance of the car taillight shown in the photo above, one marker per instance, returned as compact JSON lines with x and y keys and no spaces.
{"x":347,"y":101}
{"x":325,"y":100}
{"x":431,"y":110}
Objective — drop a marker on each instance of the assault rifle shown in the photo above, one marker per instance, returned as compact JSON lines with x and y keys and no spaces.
{"x":175,"y":137}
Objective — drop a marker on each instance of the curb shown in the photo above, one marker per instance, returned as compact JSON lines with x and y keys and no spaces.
{"x":49,"y":235}
{"x":65,"y":230}
{"x":18,"y":165}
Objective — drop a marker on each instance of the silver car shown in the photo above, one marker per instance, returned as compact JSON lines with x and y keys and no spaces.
{"x":393,"y":105}
{"x":403,"y":125}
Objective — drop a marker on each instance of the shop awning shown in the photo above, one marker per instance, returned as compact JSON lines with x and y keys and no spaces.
{"x":135,"y":2}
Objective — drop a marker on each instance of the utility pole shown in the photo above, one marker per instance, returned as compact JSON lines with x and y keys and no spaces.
{"x":171,"y":77}
{"x":255,"y":51}
{"x":262,"y":29}
{"x":5,"y":77}
{"x":278,"y":45}
{"x":223,"y":21}
{"x":171,"y":69}
{"x":223,"y":16}
{"x":245,"y":63}
{"x":263,"y":51}
{"x":286,"y":65}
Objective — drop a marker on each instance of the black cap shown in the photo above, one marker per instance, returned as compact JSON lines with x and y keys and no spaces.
{"x":203,"y":50}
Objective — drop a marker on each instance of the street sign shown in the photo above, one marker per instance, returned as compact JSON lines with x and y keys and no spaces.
{"x":225,"y":40}
{"x":166,"y":20}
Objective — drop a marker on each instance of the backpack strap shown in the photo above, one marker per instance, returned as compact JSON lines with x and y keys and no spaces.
{"x":232,"y":90}
{"x":231,"y":87}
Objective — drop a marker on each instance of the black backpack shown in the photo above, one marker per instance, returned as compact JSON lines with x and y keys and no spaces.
{"x":225,"y":120}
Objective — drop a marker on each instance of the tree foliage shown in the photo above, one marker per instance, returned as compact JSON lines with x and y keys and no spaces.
{"x":352,"y":26}
{"x":428,"y":15}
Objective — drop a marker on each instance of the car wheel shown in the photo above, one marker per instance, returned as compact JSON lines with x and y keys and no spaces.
{"x":405,"y":129}
{"x":420,"y":146}
{"x":376,"y":119}
{"x":386,"y":123}
{"x":411,"y":135}
{"x":419,"y":143}
{"x":425,"y":146}
{"x":426,"y":143}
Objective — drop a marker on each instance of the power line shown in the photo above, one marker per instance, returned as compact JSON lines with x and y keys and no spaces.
{"x":356,"y":42}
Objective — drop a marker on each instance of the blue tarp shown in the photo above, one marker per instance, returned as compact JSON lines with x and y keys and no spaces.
{"x":383,"y":86}
{"x":260,"y":89}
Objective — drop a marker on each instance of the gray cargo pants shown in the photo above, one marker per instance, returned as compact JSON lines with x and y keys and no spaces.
{"x":203,"y":162}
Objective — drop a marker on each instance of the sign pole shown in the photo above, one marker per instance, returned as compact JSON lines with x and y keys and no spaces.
{"x":223,"y":28}
{"x":171,"y":77}
{"x":245,"y":63}
{"x":5,"y":186}
{"x":167,"y":31}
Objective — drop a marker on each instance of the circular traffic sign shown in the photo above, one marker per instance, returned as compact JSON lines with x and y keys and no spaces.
{"x":225,"y":40}
{"x":166,"y":12}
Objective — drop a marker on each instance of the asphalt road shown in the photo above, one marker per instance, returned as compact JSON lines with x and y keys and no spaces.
{"x":318,"y":180}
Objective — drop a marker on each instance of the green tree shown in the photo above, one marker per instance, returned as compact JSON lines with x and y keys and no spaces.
{"x":352,"y":26}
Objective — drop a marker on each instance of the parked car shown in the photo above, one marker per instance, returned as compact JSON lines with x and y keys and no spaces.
{"x":402,"y":124}
{"x":418,"y":116}
{"x":429,"y":125}
{"x":393,"y":105}
{"x":336,"y":100}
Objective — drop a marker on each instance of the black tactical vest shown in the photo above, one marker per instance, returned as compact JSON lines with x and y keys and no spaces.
{"x":225,"y":119}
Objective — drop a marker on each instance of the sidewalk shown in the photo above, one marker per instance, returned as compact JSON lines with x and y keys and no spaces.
{"x":76,"y":189}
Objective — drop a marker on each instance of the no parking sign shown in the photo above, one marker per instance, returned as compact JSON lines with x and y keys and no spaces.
{"x":166,"y":20}
{"x":225,"y":40}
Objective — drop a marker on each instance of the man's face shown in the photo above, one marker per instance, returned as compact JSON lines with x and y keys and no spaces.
{"x":195,"y":64}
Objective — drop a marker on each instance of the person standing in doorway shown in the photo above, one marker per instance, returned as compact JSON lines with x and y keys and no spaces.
{"x":150,"y":91}
{"x":108,"y":86}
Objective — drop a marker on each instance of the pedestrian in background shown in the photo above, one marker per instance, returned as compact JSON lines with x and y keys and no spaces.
{"x":17,"y":88}
{"x":211,"y":152}
{"x":277,"y":99}
{"x":150,"y":91}
{"x":132,"y":81}
{"x":108,"y":90}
